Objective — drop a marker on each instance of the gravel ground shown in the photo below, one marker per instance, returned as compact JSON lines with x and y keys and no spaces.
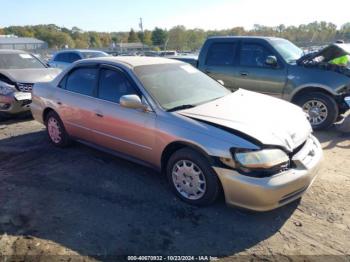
{"x":82,"y":204}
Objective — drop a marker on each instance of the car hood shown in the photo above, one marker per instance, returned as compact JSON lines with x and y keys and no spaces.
{"x":30,"y":75}
{"x":329,"y":53}
{"x":269,"y":120}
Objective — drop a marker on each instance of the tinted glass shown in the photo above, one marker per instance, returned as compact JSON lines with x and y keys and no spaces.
{"x":221,"y":54}
{"x":254,"y":55}
{"x":113,"y":85}
{"x":82,"y":81}
{"x":173,"y":85}
{"x":19,"y":61}
{"x":72,"y":57}
{"x":61,"y":57}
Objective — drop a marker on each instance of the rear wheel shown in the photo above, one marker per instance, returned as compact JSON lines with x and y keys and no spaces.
{"x":56,"y":131}
{"x":321,"y":108}
{"x":192,"y":178}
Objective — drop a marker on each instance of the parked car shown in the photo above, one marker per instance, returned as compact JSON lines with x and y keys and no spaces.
{"x":277,"y":67}
{"x":19,"y":70}
{"x":64,"y":58}
{"x":168,"y":115}
{"x":190,"y":59}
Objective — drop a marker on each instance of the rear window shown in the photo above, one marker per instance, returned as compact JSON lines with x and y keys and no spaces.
{"x":82,"y":81}
{"x":19,"y":61}
{"x":221,"y":54}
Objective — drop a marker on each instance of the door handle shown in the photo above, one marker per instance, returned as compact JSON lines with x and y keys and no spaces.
{"x":99,"y":115}
{"x":244,"y":73}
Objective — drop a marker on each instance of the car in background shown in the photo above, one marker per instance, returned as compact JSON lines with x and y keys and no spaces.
{"x":167,"y":53}
{"x":19,"y":71}
{"x":190,"y":59}
{"x":64,"y":58}
{"x":277,"y":67}
{"x":168,"y":115}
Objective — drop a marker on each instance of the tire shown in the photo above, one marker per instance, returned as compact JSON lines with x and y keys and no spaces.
{"x":186,"y":157}
{"x":58,"y":137}
{"x":5,"y":116}
{"x":322,"y":101}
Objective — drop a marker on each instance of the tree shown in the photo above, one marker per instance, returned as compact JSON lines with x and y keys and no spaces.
{"x":159,"y":36}
{"x":133,"y":37}
{"x":177,"y":38}
{"x":147,"y":37}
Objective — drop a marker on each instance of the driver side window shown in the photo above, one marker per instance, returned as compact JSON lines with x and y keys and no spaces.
{"x":113,"y":85}
{"x":254,"y":55}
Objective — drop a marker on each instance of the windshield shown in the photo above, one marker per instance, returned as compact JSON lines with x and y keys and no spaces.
{"x":176,"y":85}
{"x":94,"y":54}
{"x":287,"y":50}
{"x":19,"y":61}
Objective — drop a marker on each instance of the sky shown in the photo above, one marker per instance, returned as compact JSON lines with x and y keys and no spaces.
{"x":117,"y":15}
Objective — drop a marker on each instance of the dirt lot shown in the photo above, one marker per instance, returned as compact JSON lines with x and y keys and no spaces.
{"x":82,"y":204}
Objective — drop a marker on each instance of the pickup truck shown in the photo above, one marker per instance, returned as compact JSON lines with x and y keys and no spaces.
{"x":276,"y":67}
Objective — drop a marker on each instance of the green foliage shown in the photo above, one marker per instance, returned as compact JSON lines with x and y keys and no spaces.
{"x":159,"y":37}
{"x":133,"y":38}
{"x":178,"y":37}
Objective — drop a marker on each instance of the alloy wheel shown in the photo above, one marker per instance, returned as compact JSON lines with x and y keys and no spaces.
{"x":316,"y":110}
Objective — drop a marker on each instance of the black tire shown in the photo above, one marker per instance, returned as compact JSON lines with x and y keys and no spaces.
{"x":64,"y":140}
{"x":328,"y":101}
{"x":4,"y":117}
{"x":212,"y":187}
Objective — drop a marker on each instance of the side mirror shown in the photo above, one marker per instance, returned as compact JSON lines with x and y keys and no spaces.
{"x":132,"y":101}
{"x":271,"y":61}
{"x":221,"y":82}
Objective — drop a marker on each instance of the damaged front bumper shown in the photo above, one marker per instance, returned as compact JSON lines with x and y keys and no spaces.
{"x":15,"y":103}
{"x":267,"y":193}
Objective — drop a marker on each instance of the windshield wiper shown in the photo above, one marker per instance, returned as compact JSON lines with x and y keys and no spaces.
{"x":180,"y":107}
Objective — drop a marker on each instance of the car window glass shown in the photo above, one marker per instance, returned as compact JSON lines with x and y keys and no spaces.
{"x":254,"y":55}
{"x":221,"y":54}
{"x":60,"y":57}
{"x":72,"y":57}
{"x":113,"y":85}
{"x":82,"y":80}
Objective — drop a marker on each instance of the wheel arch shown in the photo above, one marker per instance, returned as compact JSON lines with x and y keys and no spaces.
{"x":46,"y":111}
{"x":309,"y":89}
{"x":177,"y":145}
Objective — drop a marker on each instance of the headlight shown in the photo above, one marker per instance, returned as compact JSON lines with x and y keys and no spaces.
{"x":262,"y":159}
{"x":260,"y":163}
{"x":6,"y":89}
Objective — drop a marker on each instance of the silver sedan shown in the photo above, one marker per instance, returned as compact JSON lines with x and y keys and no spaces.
{"x":166,"y":114}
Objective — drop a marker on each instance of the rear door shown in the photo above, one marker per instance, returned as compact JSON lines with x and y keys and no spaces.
{"x":254,"y":74}
{"x":221,"y":63}
{"x":75,"y":101}
{"x":129,"y":131}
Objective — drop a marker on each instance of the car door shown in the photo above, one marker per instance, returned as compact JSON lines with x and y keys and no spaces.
{"x":255,"y":74}
{"x":129,"y":131}
{"x":75,"y":102}
{"x":221,"y":63}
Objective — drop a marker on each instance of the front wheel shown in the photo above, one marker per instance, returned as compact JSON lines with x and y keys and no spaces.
{"x":192,"y":178}
{"x":321,"y":108}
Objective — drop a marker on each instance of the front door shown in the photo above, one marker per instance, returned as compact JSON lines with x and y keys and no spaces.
{"x":129,"y":131}
{"x":255,"y":75}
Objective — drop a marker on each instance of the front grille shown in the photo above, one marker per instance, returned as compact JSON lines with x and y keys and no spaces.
{"x":25,"y":87}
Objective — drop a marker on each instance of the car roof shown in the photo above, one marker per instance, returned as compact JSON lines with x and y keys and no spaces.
{"x":245,"y":37}
{"x":132,"y":61}
{"x":12,"y":51}
{"x":79,"y":51}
